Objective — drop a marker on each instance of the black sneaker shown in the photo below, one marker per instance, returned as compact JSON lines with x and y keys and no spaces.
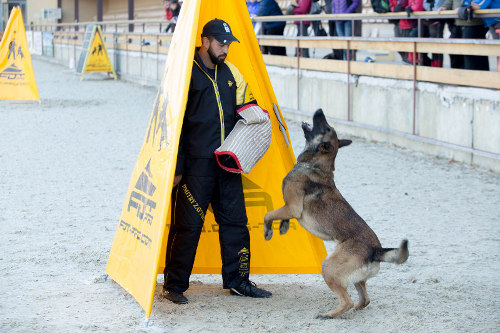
{"x":172,"y":296}
{"x":248,"y":288}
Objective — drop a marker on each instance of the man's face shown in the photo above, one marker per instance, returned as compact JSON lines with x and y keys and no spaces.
{"x":217,"y":51}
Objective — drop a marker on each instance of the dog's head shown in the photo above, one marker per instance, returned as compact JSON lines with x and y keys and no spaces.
{"x":321,"y":139}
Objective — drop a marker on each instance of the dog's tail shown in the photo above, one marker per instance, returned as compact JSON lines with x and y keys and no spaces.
{"x":397,"y":256}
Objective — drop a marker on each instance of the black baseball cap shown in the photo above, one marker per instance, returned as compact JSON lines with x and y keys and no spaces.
{"x":220,"y":30}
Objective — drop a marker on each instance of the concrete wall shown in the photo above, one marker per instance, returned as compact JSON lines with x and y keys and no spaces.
{"x":458,"y":123}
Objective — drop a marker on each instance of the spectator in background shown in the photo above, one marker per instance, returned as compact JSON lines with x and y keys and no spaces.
{"x":271,"y":8}
{"x":434,"y":28}
{"x":392,"y":6}
{"x":317,"y":27}
{"x":253,"y":9}
{"x":302,"y":7}
{"x":409,"y":28}
{"x":344,"y":28}
{"x":332,"y":31}
{"x":456,"y":60}
{"x":472,"y":28}
{"x":493,"y":23}
{"x":397,"y":30}
{"x":172,"y":10}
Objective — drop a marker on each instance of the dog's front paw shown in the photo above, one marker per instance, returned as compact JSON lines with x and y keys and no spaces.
{"x":284,"y":226}
{"x":268,"y":231}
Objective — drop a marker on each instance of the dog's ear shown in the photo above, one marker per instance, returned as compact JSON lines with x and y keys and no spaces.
{"x":343,"y":143}
{"x":325,"y":147}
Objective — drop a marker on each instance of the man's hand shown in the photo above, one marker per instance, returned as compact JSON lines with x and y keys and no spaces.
{"x":399,"y":8}
{"x":177,"y":180}
{"x":408,"y":11}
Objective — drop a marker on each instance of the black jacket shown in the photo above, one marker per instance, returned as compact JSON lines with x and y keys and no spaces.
{"x":270,"y":8}
{"x":213,"y":98}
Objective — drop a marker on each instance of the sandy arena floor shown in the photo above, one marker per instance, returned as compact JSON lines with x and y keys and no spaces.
{"x":65,"y":165}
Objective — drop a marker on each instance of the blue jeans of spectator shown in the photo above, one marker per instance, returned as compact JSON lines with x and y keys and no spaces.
{"x":344,"y":29}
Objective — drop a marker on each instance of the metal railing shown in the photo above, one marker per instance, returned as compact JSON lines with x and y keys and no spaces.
{"x":419,"y":16}
{"x":153,"y":39}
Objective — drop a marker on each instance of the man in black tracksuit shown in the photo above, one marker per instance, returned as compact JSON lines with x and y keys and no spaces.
{"x":216,"y":92}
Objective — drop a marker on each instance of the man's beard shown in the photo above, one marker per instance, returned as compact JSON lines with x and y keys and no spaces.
{"x":213,"y":57}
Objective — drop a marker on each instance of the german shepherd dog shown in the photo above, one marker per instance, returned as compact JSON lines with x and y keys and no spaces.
{"x":311,"y":197}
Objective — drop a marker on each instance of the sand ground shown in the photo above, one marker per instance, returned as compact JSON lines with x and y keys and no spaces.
{"x":65,"y":165}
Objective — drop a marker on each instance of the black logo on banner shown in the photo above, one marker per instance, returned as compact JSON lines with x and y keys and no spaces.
{"x":97,"y":49}
{"x":141,"y":196}
{"x":136,"y":233}
{"x":13,"y":72}
{"x":255,"y":195}
{"x":158,"y":120}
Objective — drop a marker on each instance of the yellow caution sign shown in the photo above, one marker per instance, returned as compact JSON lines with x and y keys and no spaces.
{"x":138,"y":251}
{"x":17,"y":79}
{"x":97,"y":59}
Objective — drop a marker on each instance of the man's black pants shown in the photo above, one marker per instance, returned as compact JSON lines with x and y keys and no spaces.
{"x":191,"y":199}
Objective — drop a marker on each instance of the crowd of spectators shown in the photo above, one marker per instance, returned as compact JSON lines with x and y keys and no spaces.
{"x":467,"y":27}
{"x":461,"y":27}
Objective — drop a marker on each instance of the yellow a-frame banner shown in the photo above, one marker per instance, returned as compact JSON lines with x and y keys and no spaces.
{"x":138,"y":251}
{"x":97,"y":59}
{"x":17,"y":79}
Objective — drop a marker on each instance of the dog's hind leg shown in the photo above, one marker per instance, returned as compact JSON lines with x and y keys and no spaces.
{"x":364,"y":300}
{"x":336,"y":270}
{"x":345,"y":300}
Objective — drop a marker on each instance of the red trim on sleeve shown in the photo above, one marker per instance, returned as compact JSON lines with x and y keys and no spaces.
{"x":245,"y":107}
{"x":230,"y":153}
{"x":249,"y":106}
